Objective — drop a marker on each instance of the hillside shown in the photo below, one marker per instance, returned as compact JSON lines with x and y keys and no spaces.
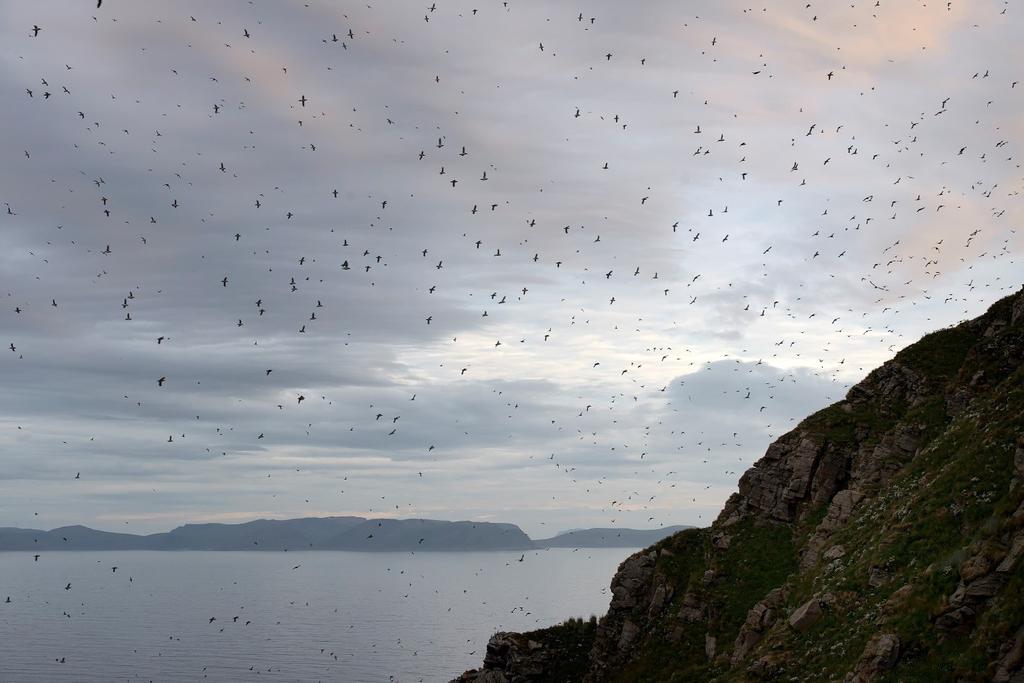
{"x":308,"y":533}
{"x":262,"y":534}
{"x":430,"y":534}
{"x":326,"y":533}
{"x":607,"y":538}
{"x":880,"y":540}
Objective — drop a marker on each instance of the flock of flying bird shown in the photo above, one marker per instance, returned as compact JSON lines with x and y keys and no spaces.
{"x":467,"y":284}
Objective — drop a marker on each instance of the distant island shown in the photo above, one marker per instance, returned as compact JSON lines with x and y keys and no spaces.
{"x":329,"y":533}
{"x":608,"y":538}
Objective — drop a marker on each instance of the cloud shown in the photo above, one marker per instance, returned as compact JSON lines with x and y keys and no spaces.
{"x":593,"y":332}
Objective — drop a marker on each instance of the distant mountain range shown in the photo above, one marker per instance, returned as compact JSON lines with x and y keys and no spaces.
{"x":608,"y":538}
{"x":328,"y":533}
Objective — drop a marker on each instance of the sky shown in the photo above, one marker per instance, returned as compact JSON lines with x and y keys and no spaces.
{"x":533,"y":262}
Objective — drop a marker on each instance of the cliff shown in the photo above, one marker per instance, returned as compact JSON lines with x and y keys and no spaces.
{"x":880,"y":540}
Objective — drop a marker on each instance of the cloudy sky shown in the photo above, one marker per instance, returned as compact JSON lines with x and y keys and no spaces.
{"x":522,"y":264}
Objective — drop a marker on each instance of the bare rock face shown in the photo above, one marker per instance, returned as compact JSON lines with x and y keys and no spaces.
{"x":803,"y":470}
{"x":767,"y":667}
{"x":1018,"y":310}
{"x":897,"y":600}
{"x":841,"y":508}
{"x":982,"y":577}
{"x":1010,"y":667}
{"x":508,"y":660}
{"x":891,"y":385}
{"x":633,"y":574}
{"x":1014,"y":556}
{"x":637,"y":597}
{"x":880,"y":655}
{"x":836,"y":552}
{"x":956,"y":619}
{"x":780,"y":480}
{"x":878,"y":576}
{"x":975,"y":567}
{"x":760,"y":618}
{"x":1018,"y":458}
{"x":482,"y":676}
{"x":514,"y":657}
{"x":839,"y":511}
{"x":880,"y":465}
{"x":710,"y":645}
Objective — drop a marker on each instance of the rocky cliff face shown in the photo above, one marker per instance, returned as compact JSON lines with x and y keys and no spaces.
{"x":882,"y":539}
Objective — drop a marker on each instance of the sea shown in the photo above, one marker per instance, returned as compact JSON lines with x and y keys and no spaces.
{"x":284,"y":616}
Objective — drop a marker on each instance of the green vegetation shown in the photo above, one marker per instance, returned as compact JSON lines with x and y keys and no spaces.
{"x":759,"y":558}
{"x":940,"y":354}
{"x":571,"y":640}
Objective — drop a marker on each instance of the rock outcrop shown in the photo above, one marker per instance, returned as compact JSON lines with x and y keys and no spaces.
{"x":882,"y":538}
{"x":510,"y":658}
{"x":556,"y":653}
{"x":806,"y":615}
{"x":880,"y":654}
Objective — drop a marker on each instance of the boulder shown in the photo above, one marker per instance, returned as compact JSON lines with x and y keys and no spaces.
{"x":482,"y":676}
{"x":834,"y":553}
{"x":768,"y":667}
{"x":983,"y":588}
{"x":692,"y":610}
{"x":710,"y":643}
{"x":880,"y":655}
{"x":975,"y":567}
{"x":956,"y":619}
{"x":877,"y":576}
{"x":806,"y":615}
{"x":1013,"y":557}
{"x":628,"y":634}
{"x":760,"y":618}
{"x":896,"y":600}
{"x":1010,"y":667}
{"x":721,"y":541}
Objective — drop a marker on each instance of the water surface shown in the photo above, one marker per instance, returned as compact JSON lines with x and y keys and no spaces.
{"x":301,"y":616}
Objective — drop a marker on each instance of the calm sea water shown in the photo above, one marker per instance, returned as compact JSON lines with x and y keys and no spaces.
{"x":313,"y":616}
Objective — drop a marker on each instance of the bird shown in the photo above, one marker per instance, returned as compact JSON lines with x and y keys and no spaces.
{"x":331,"y":244}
